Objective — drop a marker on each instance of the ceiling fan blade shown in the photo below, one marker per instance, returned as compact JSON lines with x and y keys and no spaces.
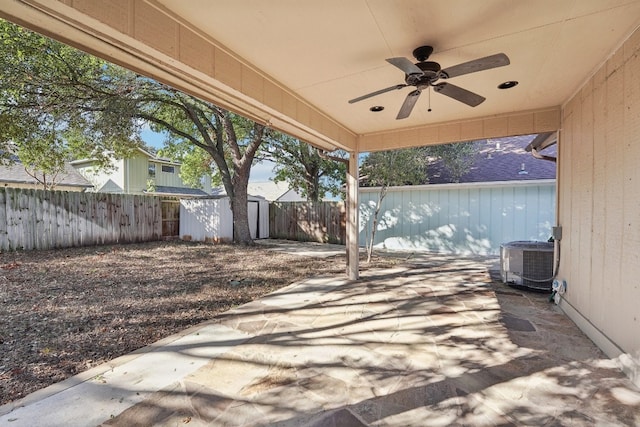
{"x":407,"y":105}
{"x":378,"y":92}
{"x":486,"y":63}
{"x":459,"y":94}
{"x":405,"y":65}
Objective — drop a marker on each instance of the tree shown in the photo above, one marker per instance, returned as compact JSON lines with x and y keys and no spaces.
{"x":51,"y":92}
{"x":409,"y":167}
{"x":304,"y":169}
{"x":42,"y":133}
{"x":457,"y":158}
{"x":390,"y":168}
{"x":196,"y":163}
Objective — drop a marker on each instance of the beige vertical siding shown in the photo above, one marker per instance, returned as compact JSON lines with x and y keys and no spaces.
{"x":599,"y":201}
{"x":170,"y":179}
{"x":137,"y":174}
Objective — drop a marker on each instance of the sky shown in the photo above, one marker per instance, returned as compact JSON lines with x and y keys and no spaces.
{"x":260,"y":172}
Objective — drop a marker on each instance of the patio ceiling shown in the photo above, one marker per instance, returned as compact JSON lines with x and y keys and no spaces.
{"x":331,"y":51}
{"x":299,"y":62}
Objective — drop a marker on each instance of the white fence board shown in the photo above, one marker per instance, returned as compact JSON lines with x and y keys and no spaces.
{"x":460,"y":218}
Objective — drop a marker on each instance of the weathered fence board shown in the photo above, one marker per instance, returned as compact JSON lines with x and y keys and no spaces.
{"x":171,"y":218}
{"x":323,"y":222}
{"x":37,"y":219}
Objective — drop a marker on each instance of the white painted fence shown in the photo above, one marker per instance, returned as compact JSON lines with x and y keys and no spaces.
{"x":460,"y":218}
{"x":211,"y":220}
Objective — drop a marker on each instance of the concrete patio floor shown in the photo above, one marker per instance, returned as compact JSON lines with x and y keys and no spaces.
{"x":430,"y":343}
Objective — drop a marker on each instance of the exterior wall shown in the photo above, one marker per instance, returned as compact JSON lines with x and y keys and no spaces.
{"x":136,"y":173}
{"x":168,"y":178}
{"x":460,"y":218}
{"x":100,"y":177}
{"x":132,"y":176}
{"x":599,"y":206}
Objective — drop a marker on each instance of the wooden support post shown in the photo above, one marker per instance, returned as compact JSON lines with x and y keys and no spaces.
{"x":352,"y":217}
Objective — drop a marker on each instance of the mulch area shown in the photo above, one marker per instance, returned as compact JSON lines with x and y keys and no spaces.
{"x":65,"y":311}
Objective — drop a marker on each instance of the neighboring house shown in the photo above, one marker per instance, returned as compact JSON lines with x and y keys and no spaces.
{"x":274,"y":191}
{"x":506,"y":195}
{"x":268,"y":190}
{"x":142,"y":173}
{"x":16,"y":177}
{"x":503,"y":159}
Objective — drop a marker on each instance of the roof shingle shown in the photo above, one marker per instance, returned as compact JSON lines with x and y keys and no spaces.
{"x":503,"y":159}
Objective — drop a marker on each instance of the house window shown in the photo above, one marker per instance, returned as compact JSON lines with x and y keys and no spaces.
{"x":152,"y":170}
{"x":169,"y":169}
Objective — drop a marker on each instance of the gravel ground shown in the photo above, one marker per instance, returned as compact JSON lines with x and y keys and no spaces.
{"x":65,"y":311}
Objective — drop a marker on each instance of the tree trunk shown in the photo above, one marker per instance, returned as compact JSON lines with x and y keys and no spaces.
{"x":376,"y":213}
{"x":240,"y":211}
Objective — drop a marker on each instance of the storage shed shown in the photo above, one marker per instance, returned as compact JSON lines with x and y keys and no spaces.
{"x":211,"y":220}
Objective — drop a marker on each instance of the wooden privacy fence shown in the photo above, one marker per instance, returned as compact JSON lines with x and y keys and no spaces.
{"x":323,"y":222}
{"x":37,"y":219}
{"x":170,"y":217}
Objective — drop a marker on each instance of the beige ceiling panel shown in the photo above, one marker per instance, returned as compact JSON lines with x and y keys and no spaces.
{"x":252,"y":84}
{"x":411,"y":138}
{"x":196,"y":52}
{"x":289,"y":105}
{"x":546,"y":120}
{"x":520,"y":124}
{"x":155,"y":29}
{"x":471,"y":130}
{"x":579,"y":48}
{"x":115,"y":13}
{"x":272,"y":95}
{"x":461,"y":23}
{"x":303,"y":113}
{"x":227,"y":69}
{"x":496,"y":127}
{"x":316,"y":120}
{"x":429,"y":134}
{"x":449,"y":132}
{"x":293,"y":41}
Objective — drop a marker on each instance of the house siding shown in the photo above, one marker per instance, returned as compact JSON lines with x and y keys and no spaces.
{"x":131,"y":175}
{"x":99,"y":177}
{"x":168,"y":179}
{"x":137,"y":173}
{"x":599,"y":205}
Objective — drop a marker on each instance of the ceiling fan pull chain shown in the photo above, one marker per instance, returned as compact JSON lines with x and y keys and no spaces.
{"x":429,"y":98}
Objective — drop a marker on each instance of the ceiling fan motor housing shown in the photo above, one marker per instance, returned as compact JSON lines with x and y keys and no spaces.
{"x":430,"y":70}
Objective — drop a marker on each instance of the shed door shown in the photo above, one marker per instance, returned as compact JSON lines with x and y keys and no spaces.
{"x":253,"y":218}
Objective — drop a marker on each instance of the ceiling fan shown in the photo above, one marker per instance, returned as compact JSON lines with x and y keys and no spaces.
{"x":425,"y":74}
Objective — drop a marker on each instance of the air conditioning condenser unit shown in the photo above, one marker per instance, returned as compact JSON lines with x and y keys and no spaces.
{"x":527,"y":264}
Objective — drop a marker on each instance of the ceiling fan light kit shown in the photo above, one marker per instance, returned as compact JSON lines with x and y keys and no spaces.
{"x":425,"y":74}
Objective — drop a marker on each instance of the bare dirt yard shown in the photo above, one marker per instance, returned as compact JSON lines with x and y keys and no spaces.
{"x":65,"y":311}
